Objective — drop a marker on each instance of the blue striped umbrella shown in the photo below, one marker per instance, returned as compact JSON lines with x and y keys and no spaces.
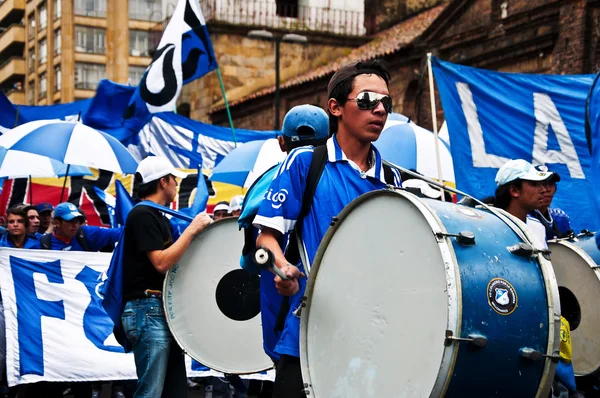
{"x":72,"y":143}
{"x":18,"y":164}
{"x":405,"y":144}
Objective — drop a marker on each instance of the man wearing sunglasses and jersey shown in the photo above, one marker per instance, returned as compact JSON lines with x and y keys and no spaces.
{"x":358,"y":107}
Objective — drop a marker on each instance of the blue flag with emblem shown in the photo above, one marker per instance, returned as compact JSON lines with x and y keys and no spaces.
{"x":184,"y":54}
{"x":493,"y":117}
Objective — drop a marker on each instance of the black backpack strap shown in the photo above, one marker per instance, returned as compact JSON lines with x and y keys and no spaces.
{"x":292,"y":253}
{"x":46,"y":242}
{"x":388,"y":175}
{"x":317,"y":165}
{"x":81,"y":239}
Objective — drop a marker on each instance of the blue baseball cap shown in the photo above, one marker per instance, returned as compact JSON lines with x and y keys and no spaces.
{"x":44,"y":206}
{"x":519,"y":169}
{"x":67,"y":211}
{"x":309,"y":116}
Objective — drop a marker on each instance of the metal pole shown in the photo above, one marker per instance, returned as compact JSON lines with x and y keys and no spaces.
{"x":227,"y":106}
{"x":434,"y":120}
{"x":277,"y":97}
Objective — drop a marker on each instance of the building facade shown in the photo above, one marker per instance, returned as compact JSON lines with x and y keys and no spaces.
{"x":56,"y":51}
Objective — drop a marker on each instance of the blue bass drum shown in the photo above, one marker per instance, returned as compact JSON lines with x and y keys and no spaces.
{"x":575,"y":264}
{"x":411,"y":297}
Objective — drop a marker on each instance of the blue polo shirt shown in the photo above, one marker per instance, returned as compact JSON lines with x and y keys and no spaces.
{"x":31,"y":242}
{"x":341,"y":182}
{"x":97,"y":238}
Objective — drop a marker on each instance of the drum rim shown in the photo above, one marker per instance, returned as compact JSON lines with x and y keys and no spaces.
{"x":175,"y":335}
{"x":590,"y":261}
{"x":453,"y":288}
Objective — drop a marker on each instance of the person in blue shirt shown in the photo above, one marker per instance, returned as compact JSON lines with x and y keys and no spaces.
{"x":17,"y":226}
{"x":359,"y":104}
{"x":555,"y":220}
{"x":302,"y":125}
{"x":69,"y":233}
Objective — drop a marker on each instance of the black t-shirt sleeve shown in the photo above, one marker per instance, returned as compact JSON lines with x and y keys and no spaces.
{"x":146,"y":230}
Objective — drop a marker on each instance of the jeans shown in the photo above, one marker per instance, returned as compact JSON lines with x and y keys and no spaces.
{"x":159,"y":362}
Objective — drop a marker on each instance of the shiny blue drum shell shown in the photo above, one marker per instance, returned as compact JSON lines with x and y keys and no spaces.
{"x":390,"y":291}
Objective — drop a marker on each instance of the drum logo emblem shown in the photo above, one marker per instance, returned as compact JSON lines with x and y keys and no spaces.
{"x":502,"y":296}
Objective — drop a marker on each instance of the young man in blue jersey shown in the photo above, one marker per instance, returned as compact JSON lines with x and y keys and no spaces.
{"x":16,"y":235}
{"x":69,"y":233}
{"x":520,"y":190}
{"x":555,"y":220}
{"x":359,"y":104}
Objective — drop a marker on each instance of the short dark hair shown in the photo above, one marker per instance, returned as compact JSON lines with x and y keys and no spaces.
{"x":145,"y":190}
{"x":502,"y":197}
{"x":302,"y":131}
{"x":342,"y":89}
{"x":18,"y":210}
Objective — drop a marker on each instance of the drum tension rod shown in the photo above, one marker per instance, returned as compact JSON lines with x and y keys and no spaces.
{"x":535,"y":355}
{"x":466,"y":238}
{"x":523,"y":249}
{"x":477,"y":340}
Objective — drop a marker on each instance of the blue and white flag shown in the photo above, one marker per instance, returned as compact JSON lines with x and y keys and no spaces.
{"x":592,"y":130}
{"x":493,"y":117}
{"x":56,"y":328}
{"x":184,"y":54}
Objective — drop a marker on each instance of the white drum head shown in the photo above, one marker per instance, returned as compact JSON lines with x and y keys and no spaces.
{"x":573,"y":269}
{"x":213,"y":306}
{"x":377,"y":304}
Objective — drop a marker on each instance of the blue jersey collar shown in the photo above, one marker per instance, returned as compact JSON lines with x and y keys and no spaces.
{"x":335,"y":154}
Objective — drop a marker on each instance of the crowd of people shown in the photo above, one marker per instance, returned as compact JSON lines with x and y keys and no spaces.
{"x":331,"y":161}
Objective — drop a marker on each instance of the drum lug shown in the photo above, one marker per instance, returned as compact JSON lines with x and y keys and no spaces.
{"x":535,"y":355}
{"x":476,"y":340}
{"x":523,"y":249}
{"x":465,"y":238}
{"x":306,"y":390}
{"x":334,"y":221}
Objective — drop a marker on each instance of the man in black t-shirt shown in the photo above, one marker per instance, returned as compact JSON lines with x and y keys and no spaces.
{"x":148,"y":253}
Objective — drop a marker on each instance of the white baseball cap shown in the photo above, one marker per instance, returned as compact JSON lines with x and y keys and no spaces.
{"x":520,"y":169}
{"x":154,"y":167}
{"x":236,"y":203}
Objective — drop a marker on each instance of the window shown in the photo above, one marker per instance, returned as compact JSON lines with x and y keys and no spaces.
{"x":31,"y":60}
{"x":31,"y":25}
{"x":43,"y":51}
{"x":87,"y":76}
{"x":145,"y":10}
{"x":31,"y":93}
{"x":135,"y":75}
{"x":57,"y":9}
{"x":90,"y":40}
{"x":57,"y":42}
{"x":43,"y":86}
{"x":57,"y":78}
{"x":287,"y":8}
{"x":43,"y":15}
{"x":139,"y":43}
{"x":90,"y":8}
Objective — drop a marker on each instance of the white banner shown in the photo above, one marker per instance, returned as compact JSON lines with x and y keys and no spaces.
{"x":56,"y":328}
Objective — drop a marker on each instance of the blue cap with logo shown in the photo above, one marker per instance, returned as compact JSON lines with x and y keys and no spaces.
{"x":67,"y":211}
{"x":309,"y":116}
{"x":520,"y":169}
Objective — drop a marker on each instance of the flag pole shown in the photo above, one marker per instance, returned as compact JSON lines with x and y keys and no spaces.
{"x":226,"y":106}
{"x":434,"y":121}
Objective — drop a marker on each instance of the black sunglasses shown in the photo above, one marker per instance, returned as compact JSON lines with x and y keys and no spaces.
{"x":369,"y":100}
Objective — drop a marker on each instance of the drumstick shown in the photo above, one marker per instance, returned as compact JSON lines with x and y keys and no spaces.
{"x":264,"y":258}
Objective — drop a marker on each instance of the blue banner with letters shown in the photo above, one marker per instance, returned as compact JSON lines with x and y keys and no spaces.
{"x":56,"y":327}
{"x":493,"y":117}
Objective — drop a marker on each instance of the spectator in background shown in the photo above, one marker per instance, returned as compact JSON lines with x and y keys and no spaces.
{"x":221,"y":210}
{"x":45,"y":212}
{"x":555,"y":220}
{"x":69,"y":233}
{"x":34,"y":220}
{"x":235,"y":206}
{"x":17,"y":225}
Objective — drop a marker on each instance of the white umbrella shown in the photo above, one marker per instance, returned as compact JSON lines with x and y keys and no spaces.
{"x":72,"y":143}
